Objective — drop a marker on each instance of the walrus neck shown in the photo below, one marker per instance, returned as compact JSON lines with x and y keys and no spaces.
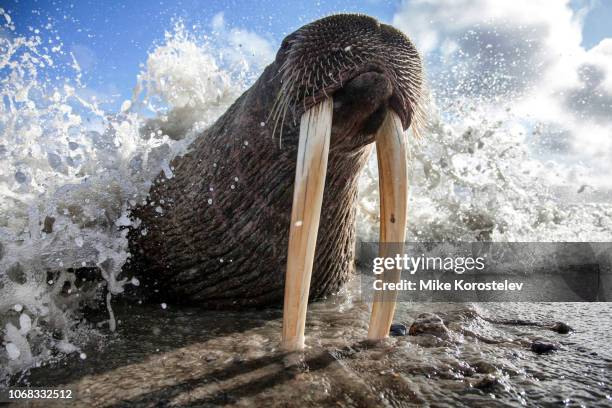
{"x":233,"y":187}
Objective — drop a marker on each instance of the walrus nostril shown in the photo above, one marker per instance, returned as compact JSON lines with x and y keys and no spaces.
{"x":360,"y":106}
{"x":370,"y":88}
{"x":363,"y":102}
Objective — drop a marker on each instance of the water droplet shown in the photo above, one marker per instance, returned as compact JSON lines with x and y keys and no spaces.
{"x":13,"y":351}
{"x":126,"y":105}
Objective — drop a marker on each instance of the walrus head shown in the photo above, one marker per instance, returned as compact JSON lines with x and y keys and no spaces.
{"x":367,"y":67}
{"x":244,"y":204}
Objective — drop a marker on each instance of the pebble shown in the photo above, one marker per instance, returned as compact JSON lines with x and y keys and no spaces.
{"x":488,"y":382}
{"x":398,"y":329}
{"x":561,"y":328}
{"x":429,"y":323}
{"x":542,"y":347}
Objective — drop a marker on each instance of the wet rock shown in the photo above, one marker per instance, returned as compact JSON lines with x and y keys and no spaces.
{"x":484,"y":367}
{"x":542,"y":347}
{"x":561,"y":327}
{"x":487,"y":383}
{"x":48,"y":225}
{"x":428,"y":341}
{"x":378,"y":356}
{"x":429,"y":323}
{"x":16,"y":273}
{"x":398,"y":329}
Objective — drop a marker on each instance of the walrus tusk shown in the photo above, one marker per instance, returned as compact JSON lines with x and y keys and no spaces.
{"x":313,"y":149}
{"x":391,"y":151}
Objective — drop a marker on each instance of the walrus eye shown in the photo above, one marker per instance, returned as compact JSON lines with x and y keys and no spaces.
{"x":311,"y":168}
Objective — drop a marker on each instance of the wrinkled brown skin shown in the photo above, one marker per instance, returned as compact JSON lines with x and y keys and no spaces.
{"x":232,"y":253}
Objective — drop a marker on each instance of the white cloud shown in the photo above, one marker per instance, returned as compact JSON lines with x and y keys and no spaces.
{"x":242,"y":46}
{"x":526,"y":54}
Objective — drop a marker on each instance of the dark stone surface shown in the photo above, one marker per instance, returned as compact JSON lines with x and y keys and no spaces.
{"x":398,"y":329}
{"x":562,"y":328}
{"x":487,"y":383}
{"x":542,"y":347}
{"x":429,"y":323}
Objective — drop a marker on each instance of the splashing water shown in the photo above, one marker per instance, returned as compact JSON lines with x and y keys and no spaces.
{"x":69,"y":173}
{"x":476,"y":179}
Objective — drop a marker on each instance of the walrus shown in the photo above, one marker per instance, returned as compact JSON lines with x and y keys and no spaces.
{"x":270,"y":189}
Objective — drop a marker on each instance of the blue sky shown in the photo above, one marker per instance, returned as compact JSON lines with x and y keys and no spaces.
{"x":111,"y":39}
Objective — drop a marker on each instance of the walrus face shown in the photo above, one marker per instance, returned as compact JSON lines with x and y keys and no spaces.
{"x":354,"y":59}
{"x":353,"y":81}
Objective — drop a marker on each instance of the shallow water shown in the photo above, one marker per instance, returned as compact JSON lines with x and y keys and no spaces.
{"x":186,"y":356}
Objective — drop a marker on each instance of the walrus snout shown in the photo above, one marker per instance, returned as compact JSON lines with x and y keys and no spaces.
{"x":361,"y":105}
